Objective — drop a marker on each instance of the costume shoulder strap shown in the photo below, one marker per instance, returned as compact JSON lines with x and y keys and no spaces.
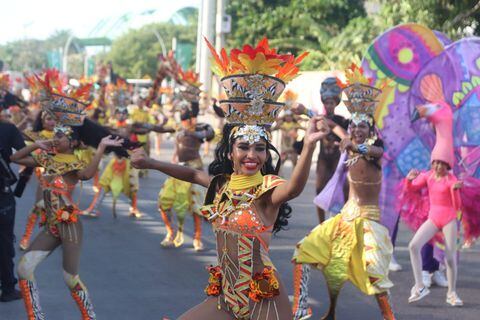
{"x":270,"y":182}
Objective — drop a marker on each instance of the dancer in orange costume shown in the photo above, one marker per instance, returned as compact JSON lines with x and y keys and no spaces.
{"x":62,"y":170}
{"x":245,"y":199}
{"x":42,"y":130}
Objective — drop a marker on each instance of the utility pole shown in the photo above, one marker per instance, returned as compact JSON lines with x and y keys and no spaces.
{"x":199,"y":38}
{"x":222,"y":26}
{"x":208,"y":19}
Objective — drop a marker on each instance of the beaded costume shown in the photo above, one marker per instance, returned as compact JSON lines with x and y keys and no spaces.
{"x":245,"y":280}
{"x":62,"y":226}
{"x":353,"y":245}
{"x":38,"y":211}
{"x":245,"y":275}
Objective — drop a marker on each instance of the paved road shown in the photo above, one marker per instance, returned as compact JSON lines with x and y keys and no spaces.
{"x":131,"y":277}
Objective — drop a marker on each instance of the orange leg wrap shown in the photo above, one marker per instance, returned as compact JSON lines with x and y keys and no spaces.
{"x":385,"y":305}
{"x":84,"y":305}
{"x":166,"y":220}
{"x":134,"y":201}
{"x":197,"y":224}
{"x":30,"y":299}
{"x":301,"y":273}
{"x":31,"y":220}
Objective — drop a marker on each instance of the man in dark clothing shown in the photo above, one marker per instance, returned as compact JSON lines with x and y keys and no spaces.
{"x":329,"y":154}
{"x":10,"y":138}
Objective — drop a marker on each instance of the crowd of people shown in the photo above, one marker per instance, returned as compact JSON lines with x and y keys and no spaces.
{"x":64,"y":131}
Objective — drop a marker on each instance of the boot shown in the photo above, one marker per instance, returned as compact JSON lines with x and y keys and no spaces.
{"x":385,"y":305}
{"x":31,"y":220}
{"x":301,"y":275}
{"x":82,"y":299}
{"x":30,"y":298}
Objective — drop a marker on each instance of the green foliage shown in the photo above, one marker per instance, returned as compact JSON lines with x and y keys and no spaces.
{"x":31,"y":54}
{"x":337,"y":32}
{"x":135,"y":54}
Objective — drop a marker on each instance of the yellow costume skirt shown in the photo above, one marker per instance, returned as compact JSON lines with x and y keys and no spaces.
{"x":119,"y":177}
{"x":350,"y":246}
{"x":182,"y":196}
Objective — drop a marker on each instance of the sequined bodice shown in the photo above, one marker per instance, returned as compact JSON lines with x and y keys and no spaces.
{"x":242,"y":240}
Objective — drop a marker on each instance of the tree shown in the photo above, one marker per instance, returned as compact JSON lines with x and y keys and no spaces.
{"x":335,"y":32}
{"x":135,"y":54}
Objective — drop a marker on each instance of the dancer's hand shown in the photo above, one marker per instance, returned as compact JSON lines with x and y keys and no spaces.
{"x":139,"y":159}
{"x":347,"y":144}
{"x":110,"y":141}
{"x":413,"y":174}
{"x":458,"y":185}
{"x":45,"y":144}
{"x":317,"y":129}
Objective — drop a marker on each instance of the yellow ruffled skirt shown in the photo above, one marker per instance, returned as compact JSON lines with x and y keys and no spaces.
{"x":119,"y":181}
{"x":350,"y":246}
{"x":182,"y":196}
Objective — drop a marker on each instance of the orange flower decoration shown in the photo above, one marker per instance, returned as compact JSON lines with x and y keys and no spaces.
{"x":67,"y":214}
{"x":259,"y":60}
{"x":214,"y":287}
{"x":264,"y":285}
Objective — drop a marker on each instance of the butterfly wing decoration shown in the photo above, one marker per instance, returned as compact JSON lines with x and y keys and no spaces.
{"x":398,"y":55}
{"x":454,"y":77}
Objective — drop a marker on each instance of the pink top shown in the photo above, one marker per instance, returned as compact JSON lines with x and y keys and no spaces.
{"x":440,"y":191}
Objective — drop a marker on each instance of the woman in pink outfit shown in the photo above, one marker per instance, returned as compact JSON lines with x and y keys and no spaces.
{"x":444,"y":202}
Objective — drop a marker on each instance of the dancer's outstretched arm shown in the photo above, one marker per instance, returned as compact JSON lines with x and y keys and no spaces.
{"x":91,"y":169}
{"x":317,"y":129}
{"x":23,"y":156}
{"x":140,"y":160}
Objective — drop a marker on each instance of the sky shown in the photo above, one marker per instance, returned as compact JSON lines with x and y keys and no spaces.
{"x":20,"y":19}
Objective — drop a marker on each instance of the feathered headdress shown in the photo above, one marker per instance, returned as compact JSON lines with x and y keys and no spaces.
{"x":65,"y":108}
{"x":188,"y":87}
{"x":253,"y":79}
{"x":361,"y":95}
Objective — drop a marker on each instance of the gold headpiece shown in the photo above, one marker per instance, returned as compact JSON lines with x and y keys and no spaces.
{"x":361,"y":95}
{"x":60,"y":128}
{"x":65,"y":108}
{"x":253,"y":79}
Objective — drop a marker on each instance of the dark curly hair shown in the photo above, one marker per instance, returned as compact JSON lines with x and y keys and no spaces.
{"x":222,"y":166}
